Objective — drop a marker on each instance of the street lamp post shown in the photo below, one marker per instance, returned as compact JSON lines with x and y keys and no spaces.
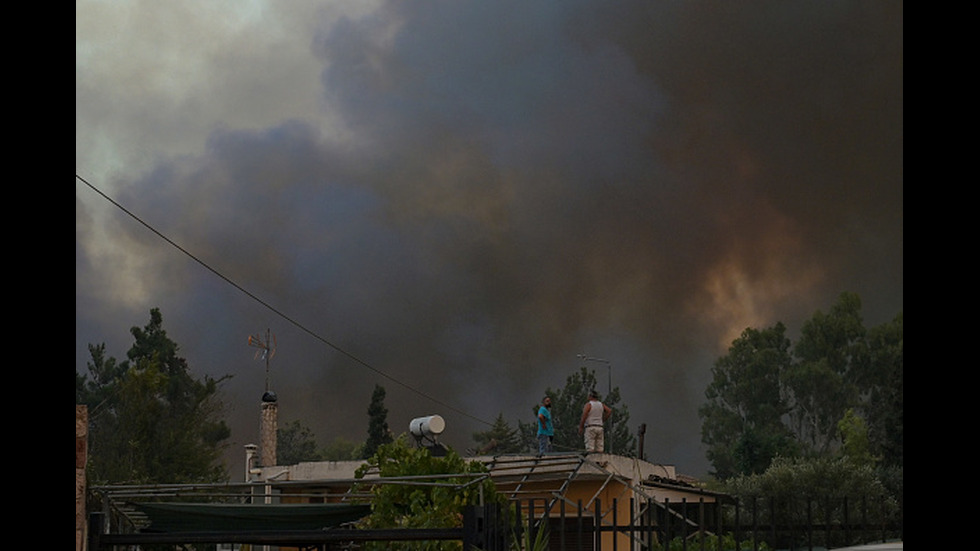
{"x":585,"y":358}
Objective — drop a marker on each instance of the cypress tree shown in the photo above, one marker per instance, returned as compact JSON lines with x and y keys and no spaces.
{"x":378,"y":432}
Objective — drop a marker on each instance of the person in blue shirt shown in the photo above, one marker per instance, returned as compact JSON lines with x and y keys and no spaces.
{"x":546,"y":430}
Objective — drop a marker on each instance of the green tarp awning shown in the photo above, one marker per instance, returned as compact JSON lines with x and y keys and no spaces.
{"x":195,"y":517}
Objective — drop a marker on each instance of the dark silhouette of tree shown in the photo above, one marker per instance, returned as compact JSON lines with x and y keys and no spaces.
{"x":150,"y":419}
{"x":500,"y":438}
{"x":378,"y":432}
{"x":883,"y":384}
{"x":295,"y":443}
{"x":769,"y":398}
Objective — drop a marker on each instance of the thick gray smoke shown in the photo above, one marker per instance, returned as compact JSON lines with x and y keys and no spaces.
{"x":515,"y":184}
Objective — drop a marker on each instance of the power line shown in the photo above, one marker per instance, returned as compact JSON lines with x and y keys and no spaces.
{"x":273,"y":309}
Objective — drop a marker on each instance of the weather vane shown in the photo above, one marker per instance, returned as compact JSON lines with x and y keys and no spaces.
{"x":266,"y":349}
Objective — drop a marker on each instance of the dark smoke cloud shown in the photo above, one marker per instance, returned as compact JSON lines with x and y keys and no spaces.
{"x":518,"y":184}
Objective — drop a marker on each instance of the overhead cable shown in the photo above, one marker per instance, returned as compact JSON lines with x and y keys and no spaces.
{"x":275,"y":310}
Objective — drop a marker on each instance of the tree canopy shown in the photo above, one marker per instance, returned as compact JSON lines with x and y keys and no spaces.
{"x":150,"y":419}
{"x":566,"y":411}
{"x":295,"y":442}
{"x":743,"y":417}
{"x":836,"y":392}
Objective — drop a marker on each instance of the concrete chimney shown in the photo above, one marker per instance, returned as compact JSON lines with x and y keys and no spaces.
{"x":268,"y":429}
{"x":251,"y":451}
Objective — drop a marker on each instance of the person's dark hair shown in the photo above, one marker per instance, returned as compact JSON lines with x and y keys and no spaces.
{"x":593,"y":394}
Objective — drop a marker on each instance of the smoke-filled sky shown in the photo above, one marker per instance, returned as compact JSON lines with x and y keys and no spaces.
{"x":454,"y":199}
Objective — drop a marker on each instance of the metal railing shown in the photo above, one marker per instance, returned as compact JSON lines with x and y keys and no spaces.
{"x":760,"y":523}
{"x":484,"y":528}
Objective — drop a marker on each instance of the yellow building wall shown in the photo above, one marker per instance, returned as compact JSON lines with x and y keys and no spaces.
{"x":609,"y":494}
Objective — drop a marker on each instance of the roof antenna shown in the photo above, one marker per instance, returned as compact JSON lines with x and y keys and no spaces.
{"x":267,"y":349}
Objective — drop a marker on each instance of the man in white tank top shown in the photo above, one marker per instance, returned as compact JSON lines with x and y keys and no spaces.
{"x":593,"y":416}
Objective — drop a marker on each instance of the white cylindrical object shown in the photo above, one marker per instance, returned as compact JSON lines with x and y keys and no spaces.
{"x":427,"y":426}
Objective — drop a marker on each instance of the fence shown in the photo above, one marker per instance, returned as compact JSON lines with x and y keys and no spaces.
{"x":482,"y":529}
{"x":793,"y":524}
{"x":798,"y":524}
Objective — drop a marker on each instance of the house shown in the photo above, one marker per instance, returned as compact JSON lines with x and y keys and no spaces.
{"x":559,"y":487}
{"x":619,"y":491}
{"x":629,"y":501}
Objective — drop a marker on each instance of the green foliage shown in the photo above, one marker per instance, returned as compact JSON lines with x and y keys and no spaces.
{"x":531,"y":539}
{"x":500,"y":438}
{"x":768,"y":398}
{"x":342,"y":449}
{"x":831,"y":348}
{"x":98,"y":386}
{"x":711,"y":542}
{"x":795,"y":491}
{"x":854,"y":437}
{"x":295,"y":443}
{"x":150,"y":420}
{"x":809,"y":477}
{"x":566,"y":412}
{"x":743,"y":417}
{"x":882,"y":383}
{"x":528,"y":432}
{"x":378,"y":433}
{"x":434,"y":503}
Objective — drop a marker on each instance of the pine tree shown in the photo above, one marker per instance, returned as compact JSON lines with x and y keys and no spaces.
{"x":566,"y":412}
{"x":501,"y":438}
{"x":151,"y":420}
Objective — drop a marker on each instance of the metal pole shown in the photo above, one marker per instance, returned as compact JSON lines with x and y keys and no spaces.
{"x":600,"y":360}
